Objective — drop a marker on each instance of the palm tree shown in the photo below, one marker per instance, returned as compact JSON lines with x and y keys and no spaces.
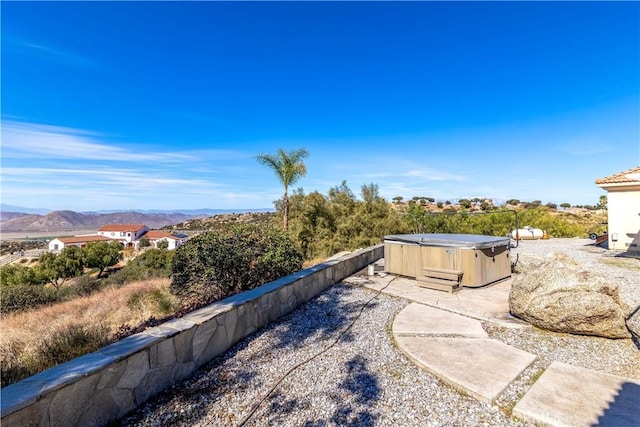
{"x":289,"y":168}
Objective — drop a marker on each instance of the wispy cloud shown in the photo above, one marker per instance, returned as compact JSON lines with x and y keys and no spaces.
{"x":52,"y":53}
{"x":435,"y":175}
{"x":107,"y":187}
{"x":29,"y":140}
{"x":128,"y":179}
{"x":78,"y":169}
{"x":407,"y":170}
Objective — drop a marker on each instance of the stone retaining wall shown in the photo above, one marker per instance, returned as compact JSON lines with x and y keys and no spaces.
{"x":103,"y":386}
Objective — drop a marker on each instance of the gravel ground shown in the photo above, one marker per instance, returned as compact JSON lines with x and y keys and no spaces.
{"x":356,"y":376}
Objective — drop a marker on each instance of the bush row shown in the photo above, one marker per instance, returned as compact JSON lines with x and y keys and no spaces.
{"x":19,"y":292}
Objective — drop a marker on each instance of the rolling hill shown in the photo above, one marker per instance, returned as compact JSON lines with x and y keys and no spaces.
{"x":69,"y":220}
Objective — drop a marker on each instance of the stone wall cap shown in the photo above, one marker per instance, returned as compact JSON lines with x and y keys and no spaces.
{"x":129,"y":345}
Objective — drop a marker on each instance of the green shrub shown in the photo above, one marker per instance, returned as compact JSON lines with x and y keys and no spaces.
{"x":86,"y":285}
{"x":212,"y":266}
{"x":150,"y":264}
{"x":16,"y":274}
{"x":159,"y":260}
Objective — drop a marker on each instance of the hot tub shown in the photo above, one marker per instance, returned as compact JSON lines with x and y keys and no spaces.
{"x":480,"y":259}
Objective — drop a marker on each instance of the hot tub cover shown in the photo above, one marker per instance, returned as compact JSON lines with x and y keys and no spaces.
{"x":461,"y":241}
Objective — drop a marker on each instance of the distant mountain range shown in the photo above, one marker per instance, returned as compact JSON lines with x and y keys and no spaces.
{"x":11,"y":221}
{"x":5,"y":208}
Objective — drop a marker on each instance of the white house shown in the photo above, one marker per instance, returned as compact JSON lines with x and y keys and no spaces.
{"x":58,"y":244}
{"x":157,"y":236}
{"x":127,"y":234}
{"x":623,"y":204}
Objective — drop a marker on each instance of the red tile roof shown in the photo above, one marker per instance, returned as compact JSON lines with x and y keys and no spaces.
{"x":82,"y":239}
{"x":121,"y":227}
{"x":632,"y":176}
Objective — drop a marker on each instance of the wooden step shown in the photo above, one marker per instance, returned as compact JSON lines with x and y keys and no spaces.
{"x":443,"y":273}
{"x":438,"y":284}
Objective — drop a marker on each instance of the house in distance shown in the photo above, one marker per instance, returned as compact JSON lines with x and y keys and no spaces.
{"x":130,"y":235}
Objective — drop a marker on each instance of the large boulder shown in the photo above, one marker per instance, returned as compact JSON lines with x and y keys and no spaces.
{"x":556,"y":294}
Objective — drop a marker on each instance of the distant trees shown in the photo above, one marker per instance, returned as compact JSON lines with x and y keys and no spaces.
{"x":422,"y":200}
{"x":465,"y":203}
{"x":565,"y":205}
{"x":289,"y":168}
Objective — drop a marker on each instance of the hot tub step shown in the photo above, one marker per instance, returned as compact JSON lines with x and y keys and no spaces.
{"x":439,"y":284}
{"x":442,"y":273}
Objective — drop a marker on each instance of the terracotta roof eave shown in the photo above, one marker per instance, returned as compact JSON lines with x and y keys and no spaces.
{"x":630,"y":176}
{"x":621,"y":186}
{"x":82,"y":239}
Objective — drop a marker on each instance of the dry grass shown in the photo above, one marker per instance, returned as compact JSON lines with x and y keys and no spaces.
{"x":24,"y":333}
{"x":312,"y":262}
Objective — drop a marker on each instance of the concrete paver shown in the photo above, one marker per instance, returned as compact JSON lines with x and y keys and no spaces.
{"x":419,"y":319}
{"x":567,"y":395}
{"x":481,"y":367}
{"x":489,"y":303}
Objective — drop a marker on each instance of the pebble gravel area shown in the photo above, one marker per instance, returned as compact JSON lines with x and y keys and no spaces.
{"x":333,"y":362}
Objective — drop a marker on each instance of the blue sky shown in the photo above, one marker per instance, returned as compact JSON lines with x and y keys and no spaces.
{"x":163,"y":105}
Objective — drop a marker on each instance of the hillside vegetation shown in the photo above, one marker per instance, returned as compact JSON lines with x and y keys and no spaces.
{"x":212,"y":266}
{"x":324,"y":224}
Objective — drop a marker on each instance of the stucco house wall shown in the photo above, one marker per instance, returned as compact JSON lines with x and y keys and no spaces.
{"x":126,"y":233}
{"x":623,"y":205}
{"x":156,"y":236}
